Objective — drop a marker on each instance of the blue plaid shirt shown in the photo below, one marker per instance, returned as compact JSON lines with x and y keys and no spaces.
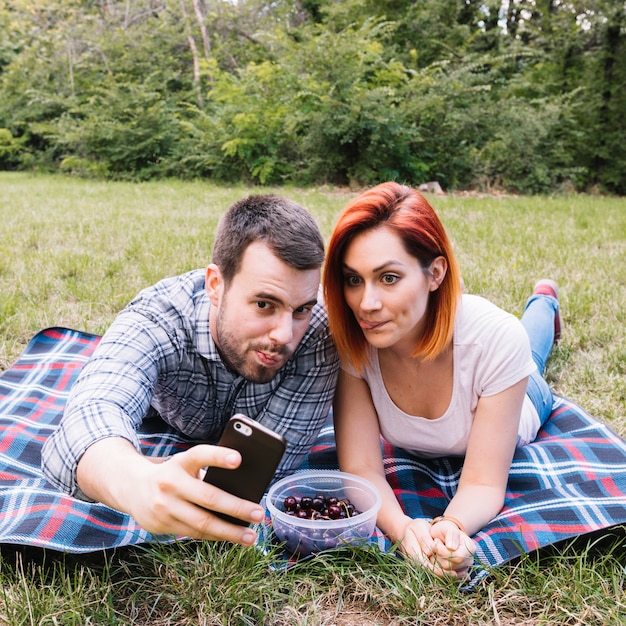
{"x":159,"y":356}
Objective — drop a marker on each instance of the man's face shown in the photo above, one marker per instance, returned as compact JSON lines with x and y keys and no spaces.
{"x":263,"y":314}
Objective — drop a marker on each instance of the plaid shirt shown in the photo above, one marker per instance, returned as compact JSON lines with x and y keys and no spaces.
{"x":159,"y":356}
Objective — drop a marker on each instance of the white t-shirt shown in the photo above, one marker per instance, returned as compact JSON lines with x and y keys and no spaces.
{"x":491,"y":352}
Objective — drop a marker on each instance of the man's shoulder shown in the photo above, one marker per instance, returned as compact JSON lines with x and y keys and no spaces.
{"x":173,"y":300}
{"x":174,"y":288}
{"x":189,"y":283}
{"x":319,"y":319}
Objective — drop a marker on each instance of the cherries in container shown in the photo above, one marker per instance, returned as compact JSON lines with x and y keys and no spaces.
{"x":318,"y":510}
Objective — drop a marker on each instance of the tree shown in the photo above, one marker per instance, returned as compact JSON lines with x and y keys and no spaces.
{"x":525,"y":94}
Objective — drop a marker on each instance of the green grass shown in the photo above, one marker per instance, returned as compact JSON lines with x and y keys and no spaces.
{"x":73,"y":252}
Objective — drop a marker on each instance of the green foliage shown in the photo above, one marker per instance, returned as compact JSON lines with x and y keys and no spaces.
{"x":9,"y":149}
{"x":252,"y":111}
{"x":517,"y":155}
{"x":350,"y":119}
{"x":524,"y":96}
{"x":125,"y":130}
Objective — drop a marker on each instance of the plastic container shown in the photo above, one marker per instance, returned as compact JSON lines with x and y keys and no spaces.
{"x":307,"y":536}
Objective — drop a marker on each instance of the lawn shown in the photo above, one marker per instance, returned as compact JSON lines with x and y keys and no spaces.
{"x":74,"y":252}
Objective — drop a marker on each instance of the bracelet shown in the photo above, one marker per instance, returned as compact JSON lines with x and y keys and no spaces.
{"x":449,"y":518}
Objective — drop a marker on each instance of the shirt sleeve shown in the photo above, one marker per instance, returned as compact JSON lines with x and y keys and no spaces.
{"x":506,"y":357}
{"x":111,"y":396}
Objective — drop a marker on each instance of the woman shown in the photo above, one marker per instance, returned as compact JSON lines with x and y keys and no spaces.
{"x":435,"y":371}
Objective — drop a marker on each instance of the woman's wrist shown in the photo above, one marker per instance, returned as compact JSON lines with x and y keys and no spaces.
{"x":449,"y":518}
{"x":397,"y":528}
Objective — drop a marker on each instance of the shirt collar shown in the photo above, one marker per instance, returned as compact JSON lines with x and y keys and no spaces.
{"x":203,"y":340}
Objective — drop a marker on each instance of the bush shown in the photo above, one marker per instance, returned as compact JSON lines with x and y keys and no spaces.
{"x":9,"y":149}
{"x":124,"y":131}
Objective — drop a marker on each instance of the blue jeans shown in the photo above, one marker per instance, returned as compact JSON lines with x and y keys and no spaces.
{"x":538,"y":320}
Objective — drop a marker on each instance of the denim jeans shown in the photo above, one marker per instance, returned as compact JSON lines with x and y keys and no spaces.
{"x":538,"y":320}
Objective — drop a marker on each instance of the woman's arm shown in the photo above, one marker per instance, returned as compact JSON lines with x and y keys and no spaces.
{"x":358,"y":441}
{"x":480,"y":494}
{"x":482,"y":486}
{"x":357,"y":434}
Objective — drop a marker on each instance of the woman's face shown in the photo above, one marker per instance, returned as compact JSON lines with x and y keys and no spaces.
{"x":387,"y":289}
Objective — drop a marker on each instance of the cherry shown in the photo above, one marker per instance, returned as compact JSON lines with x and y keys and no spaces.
{"x":334,"y":511}
{"x":319,"y":507}
{"x":291,"y":504}
{"x":317,"y":503}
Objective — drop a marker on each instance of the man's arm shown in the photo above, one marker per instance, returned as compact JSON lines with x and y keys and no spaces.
{"x":110,"y":398}
{"x":95,"y":453}
{"x":167,"y":497}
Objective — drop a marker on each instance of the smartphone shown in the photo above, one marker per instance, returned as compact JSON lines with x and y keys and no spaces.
{"x":261,"y":450}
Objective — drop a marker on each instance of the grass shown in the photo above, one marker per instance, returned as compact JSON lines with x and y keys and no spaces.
{"x":72,"y":253}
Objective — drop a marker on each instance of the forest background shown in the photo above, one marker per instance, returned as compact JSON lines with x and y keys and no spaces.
{"x":520,"y":96}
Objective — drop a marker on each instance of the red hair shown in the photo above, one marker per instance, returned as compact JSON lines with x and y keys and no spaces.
{"x":407,"y":213}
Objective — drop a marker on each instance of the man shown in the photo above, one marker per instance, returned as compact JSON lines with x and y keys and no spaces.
{"x":246,"y":335}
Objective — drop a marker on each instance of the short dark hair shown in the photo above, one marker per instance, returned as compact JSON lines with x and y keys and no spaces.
{"x":283,"y":225}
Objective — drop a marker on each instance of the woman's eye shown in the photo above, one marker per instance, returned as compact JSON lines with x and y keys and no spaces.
{"x":352,"y":281}
{"x":390,"y":279}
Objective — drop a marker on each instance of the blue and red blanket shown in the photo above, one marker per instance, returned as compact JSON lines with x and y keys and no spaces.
{"x":570,"y":482}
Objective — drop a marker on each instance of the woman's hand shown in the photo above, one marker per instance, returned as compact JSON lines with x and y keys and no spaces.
{"x":442,"y":547}
{"x":453,"y":552}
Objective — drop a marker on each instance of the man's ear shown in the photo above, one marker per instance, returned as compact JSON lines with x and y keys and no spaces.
{"x":214,"y":284}
{"x":438,"y":270}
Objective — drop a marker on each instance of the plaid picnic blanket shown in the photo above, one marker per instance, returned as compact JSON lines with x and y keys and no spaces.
{"x":569,"y":482}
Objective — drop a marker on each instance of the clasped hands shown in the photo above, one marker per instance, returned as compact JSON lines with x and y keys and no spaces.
{"x":442,"y":547}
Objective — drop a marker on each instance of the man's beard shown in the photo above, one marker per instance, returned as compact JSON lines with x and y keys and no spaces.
{"x":235,"y":355}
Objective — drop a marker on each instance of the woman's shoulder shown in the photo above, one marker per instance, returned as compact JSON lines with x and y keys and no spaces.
{"x":473,"y":305}
{"x":479,"y":317}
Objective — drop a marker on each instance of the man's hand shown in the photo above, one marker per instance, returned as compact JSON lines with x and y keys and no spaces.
{"x":168,"y":497}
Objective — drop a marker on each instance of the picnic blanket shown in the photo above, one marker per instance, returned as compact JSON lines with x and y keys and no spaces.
{"x":569,"y":482}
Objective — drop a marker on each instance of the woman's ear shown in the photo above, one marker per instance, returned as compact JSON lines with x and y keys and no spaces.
{"x":214,"y":284}
{"x":438,"y":270}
